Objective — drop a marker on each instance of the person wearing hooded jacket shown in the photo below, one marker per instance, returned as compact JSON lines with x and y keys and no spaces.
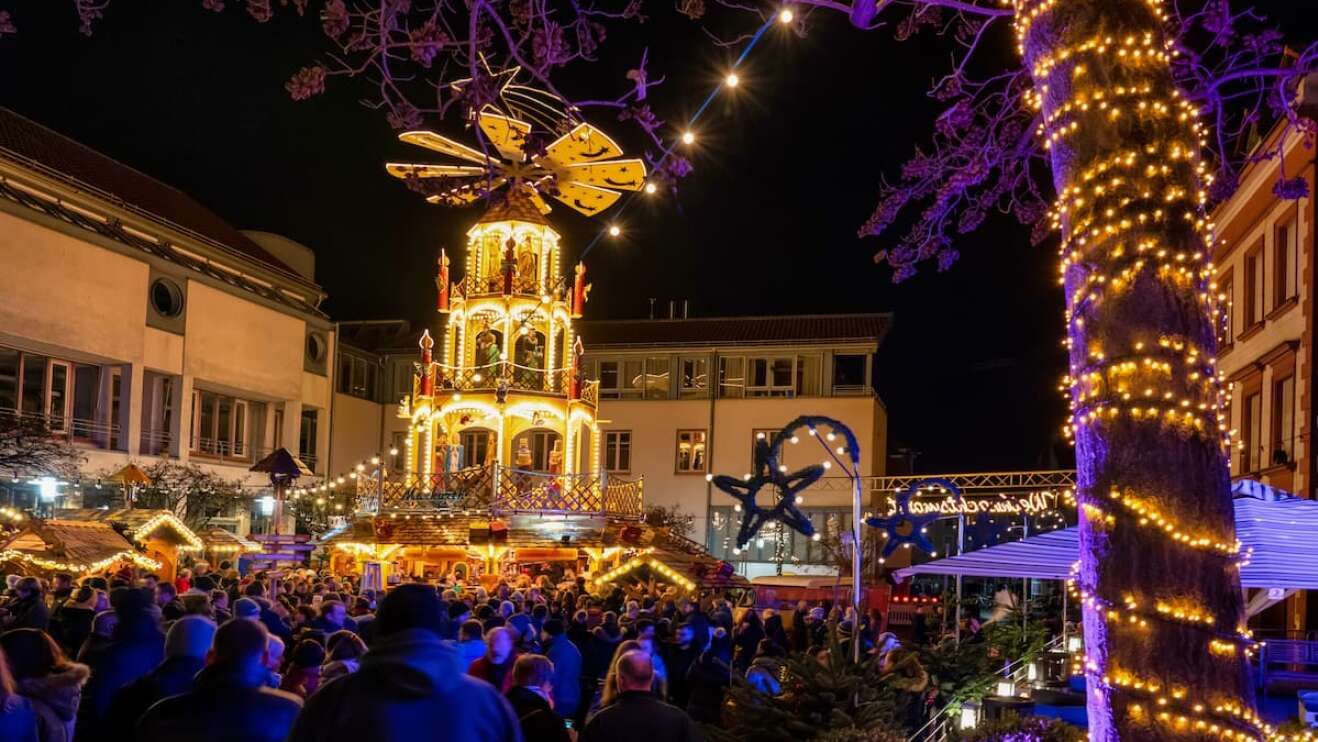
{"x":186,"y":645}
{"x":136,"y":647}
{"x":409,"y":681}
{"x":50,"y":682}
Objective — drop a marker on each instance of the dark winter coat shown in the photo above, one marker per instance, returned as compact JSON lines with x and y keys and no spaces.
{"x":276,"y":626}
{"x":71,"y":626}
{"x":679,"y":660}
{"x":137,"y":647}
{"x":538,"y":721}
{"x":54,"y":698}
{"x":408,"y":688}
{"x":706,"y":682}
{"x":226,"y":705}
{"x":567,"y":674}
{"x":18,"y":722}
{"x":173,"y":676}
{"x":745,"y":644}
{"x":598,"y":655}
{"x":639,"y":715}
{"x":28,"y":613}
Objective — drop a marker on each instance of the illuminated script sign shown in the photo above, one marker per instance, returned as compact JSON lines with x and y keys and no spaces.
{"x":1032,"y":503}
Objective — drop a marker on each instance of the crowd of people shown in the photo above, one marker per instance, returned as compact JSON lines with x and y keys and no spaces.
{"x":215,"y":655}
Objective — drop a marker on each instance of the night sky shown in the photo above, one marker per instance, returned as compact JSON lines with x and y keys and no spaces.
{"x":786,"y":171}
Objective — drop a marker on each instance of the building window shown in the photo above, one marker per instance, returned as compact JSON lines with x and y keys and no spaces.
{"x":166,"y":298}
{"x":1225,"y":307}
{"x":766,"y":435}
{"x":1253,"y":433}
{"x":1283,"y":421}
{"x":398,"y":444}
{"x":731,"y":377}
{"x":356,"y":376}
{"x":1254,"y":308}
{"x":33,"y":384}
{"x":656,"y":377}
{"x":695,"y":376}
{"x":807,"y":375}
{"x":771,"y":377}
{"x":849,"y":374}
{"x":1286,"y":260}
{"x":220,"y":425}
{"x":157,"y":414}
{"x":9,"y":373}
{"x":307,"y":437}
{"x":475,"y":447}
{"x":690,"y":451}
{"x":618,"y":451}
{"x":634,"y":378}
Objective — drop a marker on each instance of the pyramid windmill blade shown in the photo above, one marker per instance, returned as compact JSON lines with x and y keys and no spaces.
{"x":432,"y":141}
{"x":588,"y":199}
{"x":467,"y":193}
{"x":409,"y":170}
{"x":537,"y":199}
{"x":584,"y":143}
{"x":506,"y":134}
{"x":628,"y":175}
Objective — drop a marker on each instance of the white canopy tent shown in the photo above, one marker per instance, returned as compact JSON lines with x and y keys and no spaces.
{"x":1279,"y":531}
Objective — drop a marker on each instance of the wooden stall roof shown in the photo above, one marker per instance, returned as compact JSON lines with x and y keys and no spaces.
{"x":140,"y":524}
{"x":437,"y":529}
{"x":216,"y":538}
{"x":67,"y":543}
{"x":687,"y":558}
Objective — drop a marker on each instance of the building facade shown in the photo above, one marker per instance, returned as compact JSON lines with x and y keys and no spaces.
{"x":1264,"y":263}
{"x":142,"y":326}
{"x":681,"y":399}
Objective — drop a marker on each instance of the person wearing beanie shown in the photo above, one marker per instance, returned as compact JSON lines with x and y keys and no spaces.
{"x":408,"y":683}
{"x":566,"y":659}
{"x":136,"y":647}
{"x":247,"y":608}
{"x":303,"y":676}
{"x":186,"y":644}
{"x":230,"y":701}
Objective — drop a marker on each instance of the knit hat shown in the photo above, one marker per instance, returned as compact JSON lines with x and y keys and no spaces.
{"x":410,"y":606}
{"x":190,"y":636}
{"x":246,"y":608}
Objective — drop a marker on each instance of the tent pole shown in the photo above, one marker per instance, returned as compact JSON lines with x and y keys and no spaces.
{"x":960,"y":548}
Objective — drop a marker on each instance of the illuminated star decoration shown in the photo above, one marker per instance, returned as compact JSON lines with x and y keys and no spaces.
{"x":787,"y":487}
{"x":522,"y":101}
{"x":905,"y":527}
{"x":987,"y":530}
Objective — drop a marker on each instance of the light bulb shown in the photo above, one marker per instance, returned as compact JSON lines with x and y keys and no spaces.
{"x":393,"y":451}
{"x":688,"y":137}
{"x":731,"y":80}
{"x":614,"y":230}
{"x":786,"y":16}
{"x":650,"y":188}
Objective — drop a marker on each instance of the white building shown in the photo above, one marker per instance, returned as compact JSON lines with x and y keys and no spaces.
{"x":142,"y":325}
{"x":682,"y":398}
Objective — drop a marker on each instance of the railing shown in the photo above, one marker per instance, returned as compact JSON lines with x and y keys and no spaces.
{"x":938,"y":728}
{"x":214,"y":448}
{"x":502,"y":489}
{"x":502,"y":375}
{"x":492,"y":284}
{"x":95,"y":433}
{"x":156,"y":443}
{"x":590,"y":393}
{"x":976,"y":483}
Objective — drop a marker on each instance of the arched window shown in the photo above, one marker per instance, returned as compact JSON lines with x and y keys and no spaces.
{"x":538,"y":450}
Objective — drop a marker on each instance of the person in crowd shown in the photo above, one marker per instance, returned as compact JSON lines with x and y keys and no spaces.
{"x":599,"y":654}
{"x":745,"y":640}
{"x":608,"y":691}
{"x":773,"y":629}
{"x":566,"y":659}
{"x":333,"y":617}
{"x":681,"y":654}
{"x":61,"y":588}
{"x":696,"y":619}
{"x":102,"y":633}
{"x":273,"y":623}
{"x":409,"y":682}
{"x":247,"y":608}
{"x":471,"y":642}
{"x":637,"y":710}
{"x":171,"y":608}
{"x":707,"y":681}
{"x":28,"y":609}
{"x":800,"y":637}
{"x":495,"y":666}
{"x":220,"y":606}
{"x":136,"y":646}
{"x":230,"y":701}
{"x":648,"y":645}
{"x":47,"y":679}
{"x":274,"y":661}
{"x":579,"y":631}
{"x":71,"y":623}
{"x":766,"y":671}
{"x":343,"y":657}
{"x":303,"y":676}
{"x":18,"y":722}
{"x":532,"y":700}
{"x":186,"y":644}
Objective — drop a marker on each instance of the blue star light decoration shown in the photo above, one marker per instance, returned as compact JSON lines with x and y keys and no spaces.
{"x":987,"y":530}
{"x":905,"y":527}
{"x":786,"y":487}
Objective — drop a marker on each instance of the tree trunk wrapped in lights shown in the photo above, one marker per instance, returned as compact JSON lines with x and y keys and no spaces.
{"x":1163,"y":610}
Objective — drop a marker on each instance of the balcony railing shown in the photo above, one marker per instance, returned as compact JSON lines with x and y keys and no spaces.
{"x":157,"y":443}
{"x":215,"y":448}
{"x":94,"y":433}
{"x":501,"y":489}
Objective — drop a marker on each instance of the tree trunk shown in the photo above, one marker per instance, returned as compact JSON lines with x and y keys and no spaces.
{"x":1163,"y":610}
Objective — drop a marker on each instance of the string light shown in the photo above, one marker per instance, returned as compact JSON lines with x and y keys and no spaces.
{"x":732,"y":80}
{"x":786,"y":16}
{"x":688,"y":137}
{"x":651,"y":188}
{"x":614,"y":231}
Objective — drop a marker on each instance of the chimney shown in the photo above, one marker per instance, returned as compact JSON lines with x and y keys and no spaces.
{"x":686,"y":306}
{"x":672,"y":309}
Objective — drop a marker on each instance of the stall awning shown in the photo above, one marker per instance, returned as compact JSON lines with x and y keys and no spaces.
{"x":1279,"y":532}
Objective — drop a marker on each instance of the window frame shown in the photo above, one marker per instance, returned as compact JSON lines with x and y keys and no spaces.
{"x":1255,"y":288}
{"x":615,"y":441}
{"x":237,"y":431}
{"x":703,"y":447}
{"x":693,"y":391}
{"x":1277,"y":440}
{"x":770,"y":389}
{"x":1285,"y":258}
{"x":1226,"y":286}
{"x":1247,"y":429}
